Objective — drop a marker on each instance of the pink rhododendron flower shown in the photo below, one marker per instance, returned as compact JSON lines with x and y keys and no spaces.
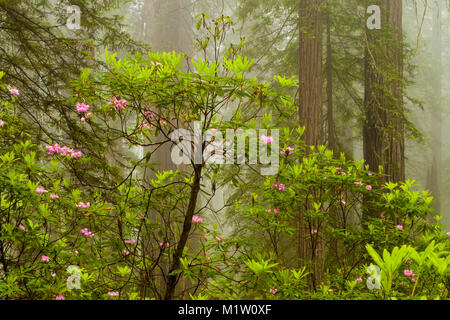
{"x":21,"y":226}
{"x":288,"y":151}
{"x":399,"y":227}
{"x":40,"y":190}
{"x":269,"y":210}
{"x":54,"y":196}
{"x":126,"y":252}
{"x":276,"y":210}
{"x":76,"y":252}
{"x":53,"y":274}
{"x":149,"y":115}
{"x":280,"y":187}
{"x":45,"y":258}
{"x":2,"y":123}
{"x":63,"y":151}
{"x":369,"y":187}
{"x":273,"y":291}
{"x":342,"y":202}
{"x":314,"y":231}
{"x":266,"y":139}
{"x":13,"y":91}
{"x":113,"y":294}
{"x":197,"y":219}
{"x":83,"y":205}
{"x":87,"y":233}
{"x":162,"y":244}
{"x":60,"y":297}
{"x":383,"y":217}
{"x":408,"y":273}
{"x":120,"y":104}
{"x":359,"y":280}
{"x":448,"y":233}
{"x":413,"y":280}
{"x":82,"y":107}
{"x":145,"y":125}
{"x":132,"y":241}
{"x":358,"y":183}
{"x":218,"y":238}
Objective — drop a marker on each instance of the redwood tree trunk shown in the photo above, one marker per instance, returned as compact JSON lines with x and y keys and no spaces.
{"x":434,"y":181}
{"x":310,"y":72}
{"x":383,"y":131}
{"x":310,"y":109}
{"x":330,"y":112}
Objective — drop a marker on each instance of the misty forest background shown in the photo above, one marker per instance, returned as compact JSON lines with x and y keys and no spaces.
{"x":381,"y":95}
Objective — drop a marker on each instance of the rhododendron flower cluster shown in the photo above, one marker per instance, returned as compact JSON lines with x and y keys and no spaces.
{"x":83,"y":205}
{"x":197,"y":219}
{"x":162,"y":244}
{"x":87,"y":233}
{"x":266,"y":139}
{"x":82,"y":110}
{"x":120,"y":104}
{"x":113,"y":294}
{"x":13,"y":91}
{"x":63,"y":151}
{"x":288,"y":151}
{"x":280,"y":187}
{"x":408,"y":273}
{"x":132,"y":241}
{"x":149,"y":115}
{"x":60,"y":297}
{"x":82,"y":107}
{"x":54,"y":196}
{"x":273,"y":291}
{"x":45,"y":258}
{"x":40,"y":190}
{"x":145,"y":125}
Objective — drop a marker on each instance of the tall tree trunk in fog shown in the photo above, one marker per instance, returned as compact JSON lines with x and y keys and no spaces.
{"x":329,"y":66}
{"x":166,"y":27}
{"x":383,"y":131}
{"x":310,"y":72}
{"x":434,"y":180}
{"x":310,"y":104}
